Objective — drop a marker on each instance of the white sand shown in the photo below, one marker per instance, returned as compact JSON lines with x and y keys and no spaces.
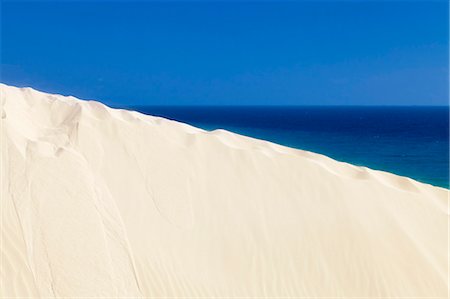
{"x":103,"y":202}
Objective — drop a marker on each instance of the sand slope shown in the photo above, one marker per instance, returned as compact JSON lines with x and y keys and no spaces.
{"x":102,"y":202}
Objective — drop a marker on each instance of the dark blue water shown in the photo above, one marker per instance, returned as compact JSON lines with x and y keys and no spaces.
{"x":409,"y":141}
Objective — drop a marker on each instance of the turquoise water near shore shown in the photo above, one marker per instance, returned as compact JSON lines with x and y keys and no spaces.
{"x":409,"y":141}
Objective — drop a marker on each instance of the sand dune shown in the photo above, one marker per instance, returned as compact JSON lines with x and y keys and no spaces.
{"x":98,"y":202}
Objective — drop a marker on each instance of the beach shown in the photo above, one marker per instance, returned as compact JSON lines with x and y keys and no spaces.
{"x":102,"y":202}
{"x":411,"y":141}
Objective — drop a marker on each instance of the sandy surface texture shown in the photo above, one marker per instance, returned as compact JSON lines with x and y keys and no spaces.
{"x":98,"y":202}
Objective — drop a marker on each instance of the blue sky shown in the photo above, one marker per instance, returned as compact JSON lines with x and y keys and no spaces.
{"x":230,"y":53}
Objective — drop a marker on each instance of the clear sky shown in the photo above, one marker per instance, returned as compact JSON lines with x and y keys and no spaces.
{"x":230,"y":53}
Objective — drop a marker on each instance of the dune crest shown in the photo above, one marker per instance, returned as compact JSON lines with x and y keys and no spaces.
{"x":100,"y":202}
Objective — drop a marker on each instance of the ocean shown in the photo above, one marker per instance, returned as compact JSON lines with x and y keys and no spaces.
{"x":409,"y":141}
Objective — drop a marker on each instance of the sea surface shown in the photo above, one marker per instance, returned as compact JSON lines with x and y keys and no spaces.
{"x":409,"y":141}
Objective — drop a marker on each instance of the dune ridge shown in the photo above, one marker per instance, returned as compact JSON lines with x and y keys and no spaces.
{"x":102,"y":202}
